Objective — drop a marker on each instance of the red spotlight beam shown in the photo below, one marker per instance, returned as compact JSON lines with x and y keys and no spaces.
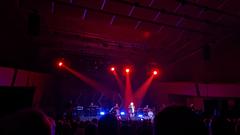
{"x":119,"y":81}
{"x":142,"y":90}
{"x":128,"y":91}
{"x":97,"y":86}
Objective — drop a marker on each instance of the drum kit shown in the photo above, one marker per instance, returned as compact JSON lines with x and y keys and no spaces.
{"x":147,"y":113}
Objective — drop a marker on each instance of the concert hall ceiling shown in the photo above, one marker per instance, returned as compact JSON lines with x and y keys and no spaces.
{"x":192,"y":40}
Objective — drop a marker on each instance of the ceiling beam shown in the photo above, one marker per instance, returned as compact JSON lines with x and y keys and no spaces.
{"x":206,"y":8}
{"x":172,"y":13}
{"x":135,"y":18}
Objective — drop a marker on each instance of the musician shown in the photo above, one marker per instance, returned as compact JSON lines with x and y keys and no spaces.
{"x":192,"y":107}
{"x":69,"y":111}
{"x":115,"y":111}
{"x":92,"y":109}
{"x":146,"y":110}
{"x":131,"y":109}
{"x":92,"y":105}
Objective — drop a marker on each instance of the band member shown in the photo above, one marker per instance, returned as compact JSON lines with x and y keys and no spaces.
{"x":192,"y":107}
{"x":146,"y":110}
{"x":92,"y":105}
{"x":131,"y":109}
{"x":115,"y":111}
{"x":69,"y":110}
{"x":92,"y":109}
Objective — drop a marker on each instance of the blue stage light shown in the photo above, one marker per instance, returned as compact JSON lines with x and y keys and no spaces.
{"x":122,"y":113}
{"x":102,"y":113}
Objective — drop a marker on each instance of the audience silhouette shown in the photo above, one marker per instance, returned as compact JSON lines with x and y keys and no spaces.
{"x":27,"y":122}
{"x":108,"y":125}
{"x":178,"y":120}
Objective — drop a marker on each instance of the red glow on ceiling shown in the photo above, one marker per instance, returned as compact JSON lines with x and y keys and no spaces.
{"x":146,"y":34}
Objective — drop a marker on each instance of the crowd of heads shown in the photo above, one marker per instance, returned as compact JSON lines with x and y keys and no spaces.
{"x":27,"y":122}
{"x":173,"y":120}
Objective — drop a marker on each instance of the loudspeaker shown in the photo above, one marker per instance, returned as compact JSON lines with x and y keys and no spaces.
{"x":34,"y":23}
